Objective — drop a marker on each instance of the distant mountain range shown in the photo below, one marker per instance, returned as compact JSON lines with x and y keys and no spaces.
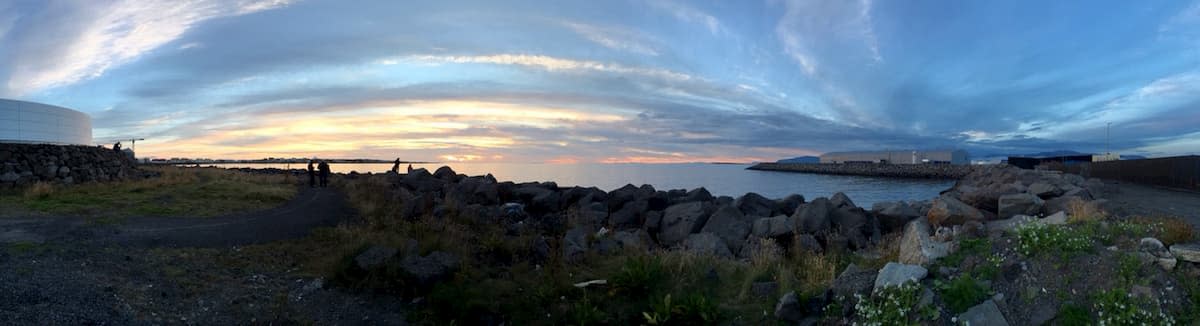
{"x":988,"y":156}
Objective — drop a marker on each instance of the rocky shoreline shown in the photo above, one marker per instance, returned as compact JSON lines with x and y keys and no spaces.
{"x":989,"y":204}
{"x":920,"y":171}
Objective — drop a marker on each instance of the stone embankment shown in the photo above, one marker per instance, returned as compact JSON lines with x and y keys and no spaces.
{"x":923,"y":171}
{"x":24,"y":164}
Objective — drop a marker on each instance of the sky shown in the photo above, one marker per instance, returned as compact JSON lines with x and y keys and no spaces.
{"x":611,"y":81}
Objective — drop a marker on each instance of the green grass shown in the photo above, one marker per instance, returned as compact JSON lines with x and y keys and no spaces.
{"x":962,"y":293}
{"x":177,"y":192}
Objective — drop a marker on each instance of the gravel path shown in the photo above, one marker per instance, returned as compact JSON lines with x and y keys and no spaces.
{"x":1128,"y":199}
{"x":185,"y":271}
{"x":311,"y":208}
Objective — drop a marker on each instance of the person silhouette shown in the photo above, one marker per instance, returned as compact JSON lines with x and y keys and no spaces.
{"x":396,"y":166}
{"x":312,"y":175}
{"x":117,"y":147}
{"x":324,"y":169}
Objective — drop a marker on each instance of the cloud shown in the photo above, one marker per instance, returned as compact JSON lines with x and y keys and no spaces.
{"x":552,"y":64}
{"x":614,"y":38}
{"x":91,"y":38}
{"x":688,"y":14}
{"x":812,"y":29}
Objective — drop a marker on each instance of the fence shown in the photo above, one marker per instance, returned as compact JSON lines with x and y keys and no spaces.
{"x":1175,"y":172}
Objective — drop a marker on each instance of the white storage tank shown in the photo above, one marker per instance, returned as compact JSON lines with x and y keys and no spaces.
{"x":36,"y":123}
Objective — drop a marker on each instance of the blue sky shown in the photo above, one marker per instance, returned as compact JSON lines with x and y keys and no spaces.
{"x":612,"y":81}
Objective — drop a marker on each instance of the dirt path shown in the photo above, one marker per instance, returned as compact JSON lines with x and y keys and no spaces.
{"x":311,"y":208}
{"x":1128,"y":199}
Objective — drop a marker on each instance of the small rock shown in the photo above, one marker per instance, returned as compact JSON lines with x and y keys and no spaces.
{"x":894,"y":274}
{"x":789,"y":308}
{"x":374,"y":256}
{"x":984,"y":314}
{"x":764,"y":289}
{"x":432,"y":268}
{"x":1059,"y":218}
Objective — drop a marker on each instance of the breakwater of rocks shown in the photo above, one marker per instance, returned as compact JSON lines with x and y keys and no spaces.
{"x":24,"y":164}
{"x":922,"y":171}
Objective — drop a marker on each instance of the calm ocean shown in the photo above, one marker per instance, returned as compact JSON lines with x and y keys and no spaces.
{"x":720,"y":179}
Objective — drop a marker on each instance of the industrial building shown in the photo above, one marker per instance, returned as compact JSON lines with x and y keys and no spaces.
{"x":36,"y":123}
{"x":899,"y":157}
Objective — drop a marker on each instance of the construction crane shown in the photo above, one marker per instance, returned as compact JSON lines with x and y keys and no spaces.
{"x":133,"y":143}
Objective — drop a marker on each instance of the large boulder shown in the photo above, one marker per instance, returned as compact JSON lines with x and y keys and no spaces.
{"x":1045,"y":190}
{"x":630,"y":215}
{"x":729,"y":224}
{"x":620,"y":196}
{"x":1018,"y":204}
{"x":985,"y":197}
{"x":1162,"y":256}
{"x":948,"y":211}
{"x":854,"y":280}
{"x":681,"y":220}
{"x":707,"y":244}
{"x":789,"y":308}
{"x":432,"y":268}
{"x":593,"y":214}
{"x":984,"y":314}
{"x":698,"y":194}
{"x":1187,"y":252}
{"x":636,"y":239}
{"x":840,"y":200}
{"x":894,"y":215}
{"x":755,"y":205}
{"x":895,"y":274}
{"x":374,"y":256}
{"x":1058,"y":204}
{"x":917,"y":247}
{"x":813,"y":217}
{"x":853,"y":224}
{"x":773,"y":227}
{"x":788,"y":205}
{"x":444,"y":173}
{"x":575,"y":243}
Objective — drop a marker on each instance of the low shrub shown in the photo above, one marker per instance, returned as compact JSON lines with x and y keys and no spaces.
{"x":1176,"y":230}
{"x":639,"y":276}
{"x":1119,"y":307}
{"x":962,"y":293}
{"x":1037,"y":238}
{"x":1073,"y":315}
{"x":893,"y":305}
{"x":1079,"y":211}
{"x":39,"y":190}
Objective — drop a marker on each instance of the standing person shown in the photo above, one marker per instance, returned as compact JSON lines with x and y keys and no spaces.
{"x":396,"y":166}
{"x":324,"y":167}
{"x":410,"y":168}
{"x":312,"y":175}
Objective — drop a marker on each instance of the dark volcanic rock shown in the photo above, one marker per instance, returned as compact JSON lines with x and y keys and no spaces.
{"x":681,"y":220}
{"x":893,"y":215}
{"x":755,"y":205}
{"x":729,"y":224}
{"x":787,"y":205}
{"x":707,"y":244}
{"x":813,"y":218}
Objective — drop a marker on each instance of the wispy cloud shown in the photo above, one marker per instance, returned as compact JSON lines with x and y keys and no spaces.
{"x":94,"y":37}
{"x":811,"y":29}
{"x":688,"y":14}
{"x":553,"y":64}
{"x":613,"y":38}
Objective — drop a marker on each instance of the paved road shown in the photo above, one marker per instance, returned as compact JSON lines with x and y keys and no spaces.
{"x":311,"y":208}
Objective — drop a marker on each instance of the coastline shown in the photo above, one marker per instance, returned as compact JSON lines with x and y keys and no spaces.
{"x":913,"y":171}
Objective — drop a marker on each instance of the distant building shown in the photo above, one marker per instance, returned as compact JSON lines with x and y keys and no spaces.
{"x":899,"y":157}
{"x":1106,"y":157}
{"x":1033,"y":162}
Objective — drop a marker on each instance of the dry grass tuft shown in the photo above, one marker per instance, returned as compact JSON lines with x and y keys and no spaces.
{"x":39,"y":190}
{"x":1176,"y":230}
{"x":1081,"y":211}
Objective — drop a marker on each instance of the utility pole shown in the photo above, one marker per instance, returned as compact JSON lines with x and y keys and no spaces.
{"x":1107,"y":140}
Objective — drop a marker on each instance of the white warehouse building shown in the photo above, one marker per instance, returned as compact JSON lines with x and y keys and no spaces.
{"x":899,"y":157}
{"x":36,"y":123}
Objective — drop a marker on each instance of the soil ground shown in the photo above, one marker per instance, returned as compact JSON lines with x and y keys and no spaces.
{"x":1128,"y":199}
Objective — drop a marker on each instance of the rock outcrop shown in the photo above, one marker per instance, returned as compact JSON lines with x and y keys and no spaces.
{"x":25,"y":164}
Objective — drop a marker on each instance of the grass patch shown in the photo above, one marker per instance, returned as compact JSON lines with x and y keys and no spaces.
{"x":962,"y":293}
{"x":1073,"y":315}
{"x":192,"y":192}
{"x":893,"y":305}
{"x":1119,"y":307}
{"x":1039,"y":239}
